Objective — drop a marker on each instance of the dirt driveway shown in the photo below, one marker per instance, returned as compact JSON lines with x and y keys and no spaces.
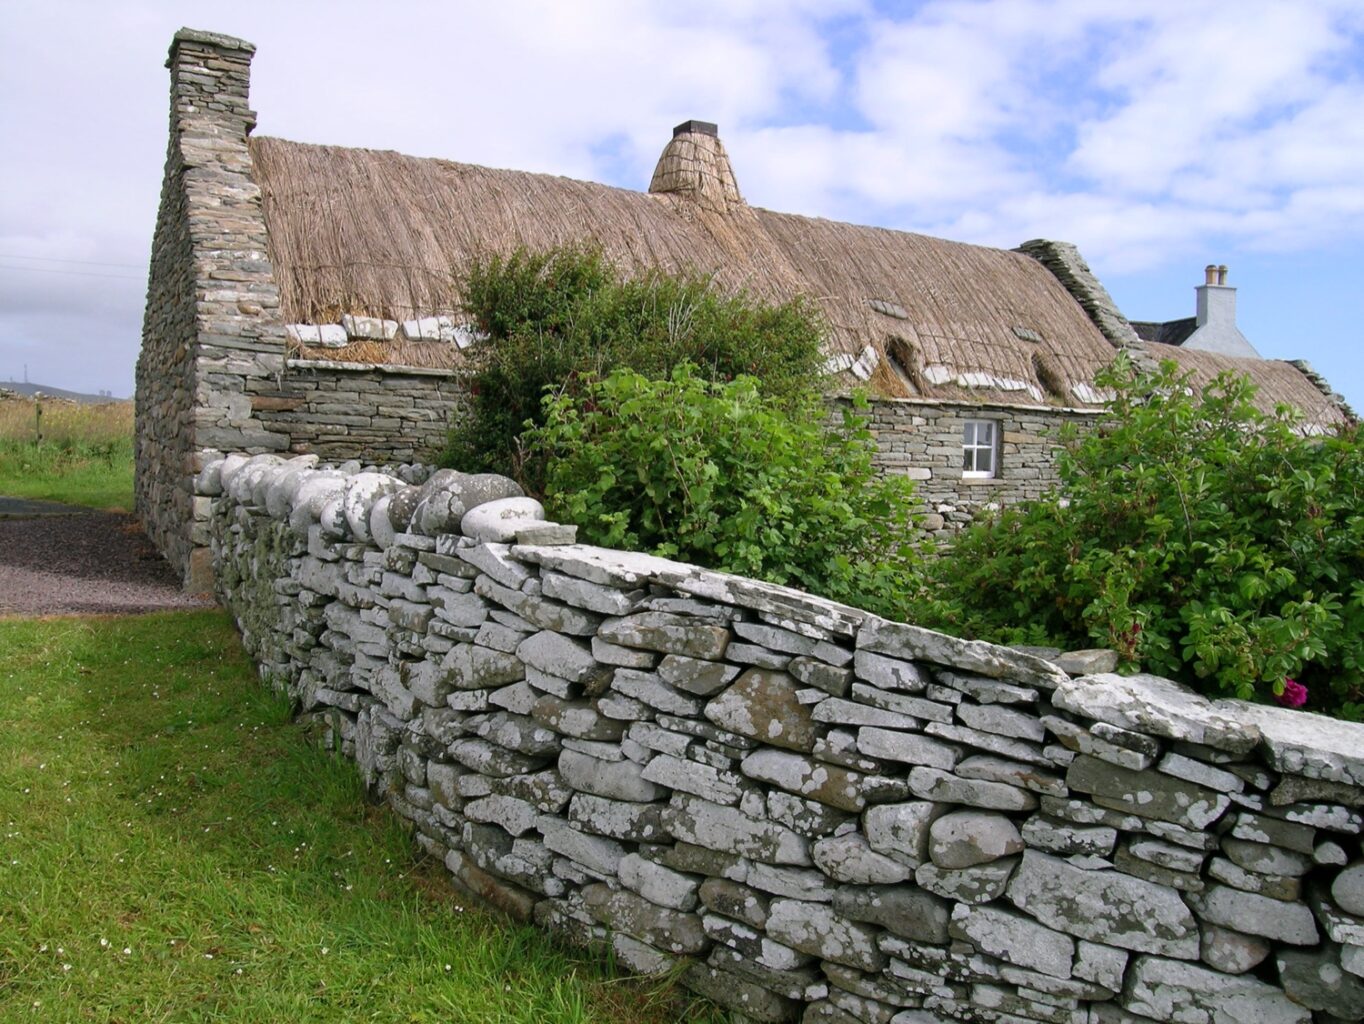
{"x":61,"y":560}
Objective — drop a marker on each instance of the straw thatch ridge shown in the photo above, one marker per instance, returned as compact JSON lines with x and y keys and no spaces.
{"x":1277,"y":382}
{"x":383,"y":234}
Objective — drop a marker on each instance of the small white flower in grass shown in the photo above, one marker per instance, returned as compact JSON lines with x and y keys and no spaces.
{"x":208,"y":956}
{"x":127,"y":950}
{"x":103,"y":943}
{"x":65,"y":968}
{"x":238,"y":971}
{"x":447,"y":967}
{"x":325,"y":950}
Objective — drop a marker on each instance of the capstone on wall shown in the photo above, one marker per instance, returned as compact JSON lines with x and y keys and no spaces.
{"x":809,"y":812}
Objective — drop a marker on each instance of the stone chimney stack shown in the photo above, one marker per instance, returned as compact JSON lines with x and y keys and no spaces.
{"x":210,"y":85}
{"x":695,"y":164}
{"x":1215,"y":317}
{"x":212,"y":340}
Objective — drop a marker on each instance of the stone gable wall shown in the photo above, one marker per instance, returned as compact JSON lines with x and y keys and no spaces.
{"x":812,"y":813}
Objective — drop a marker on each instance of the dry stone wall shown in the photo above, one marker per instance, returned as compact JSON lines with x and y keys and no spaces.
{"x":812,"y":813}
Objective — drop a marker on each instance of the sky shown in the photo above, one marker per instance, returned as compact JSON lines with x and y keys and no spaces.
{"x":1157,"y":135}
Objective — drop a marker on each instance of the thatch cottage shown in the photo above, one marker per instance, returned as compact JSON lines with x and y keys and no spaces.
{"x":302,"y":298}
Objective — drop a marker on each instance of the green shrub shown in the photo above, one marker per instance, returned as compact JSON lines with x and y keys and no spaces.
{"x":556,"y":317}
{"x":1199,"y":537}
{"x":724,"y":476}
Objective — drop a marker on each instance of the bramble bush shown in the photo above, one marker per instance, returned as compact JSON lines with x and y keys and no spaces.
{"x":1199,"y":537}
{"x":723,"y":475}
{"x":559,"y":317}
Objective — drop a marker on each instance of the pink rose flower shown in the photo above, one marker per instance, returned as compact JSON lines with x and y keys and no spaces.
{"x":1294,"y":694}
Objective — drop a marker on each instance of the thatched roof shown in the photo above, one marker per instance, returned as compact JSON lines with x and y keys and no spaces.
{"x":386,"y":235}
{"x":1278,"y":382}
{"x":382,"y":234}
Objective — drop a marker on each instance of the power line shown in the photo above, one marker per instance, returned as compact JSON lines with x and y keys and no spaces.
{"x":59,"y":259}
{"x":73,"y":273}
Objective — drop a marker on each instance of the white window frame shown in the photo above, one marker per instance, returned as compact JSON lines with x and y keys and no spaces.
{"x":972,"y":446}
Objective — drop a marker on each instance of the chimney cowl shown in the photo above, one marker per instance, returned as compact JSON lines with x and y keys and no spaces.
{"x":698,"y":128}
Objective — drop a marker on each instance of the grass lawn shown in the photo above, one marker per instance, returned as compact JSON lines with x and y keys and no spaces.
{"x":79,"y":454}
{"x":172,"y":850}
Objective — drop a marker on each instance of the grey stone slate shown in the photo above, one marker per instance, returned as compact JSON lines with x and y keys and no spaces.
{"x":1148,"y":794}
{"x":1189,"y":994}
{"x":963,"y":839}
{"x":689,"y":776}
{"x":616,"y":780}
{"x":625,"y":657}
{"x":990,"y":768}
{"x":1315,"y":980}
{"x":1105,"y":906}
{"x":890,"y":673}
{"x":1013,"y":937}
{"x":1231,"y":952}
{"x":909,"y":747}
{"x":811,"y":671}
{"x":903,"y":910}
{"x":825,"y":783}
{"x":1256,"y":915}
{"x":733,"y":900}
{"x":667,"y":634}
{"x":837,"y":711}
{"x":763,"y":705}
{"x":695,"y":675}
{"x":901,"y":830}
{"x":940,"y":786}
{"x":903,"y":703}
{"x":659,"y":884}
{"x":649,"y":689}
{"x":1157,"y":707}
{"x":1268,"y":860}
{"x":660,"y":927}
{"x":913,"y":643}
{"x":979,"y":884}
{"x":815,"y":928}
{"x":728,"y":830}
{"x":592,"y":596}
{"x":1348,"y":889}
{"x":1002,"y":721}
{"x":849,"y":858}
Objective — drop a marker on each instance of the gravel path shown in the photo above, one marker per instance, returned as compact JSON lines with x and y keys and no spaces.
{"x":79,"y":562}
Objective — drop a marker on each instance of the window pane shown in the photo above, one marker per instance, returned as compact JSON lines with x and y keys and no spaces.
{"x":985,"y":433}
{"x":967,"y":460}
{"x":968,"y":432}
{"x":985,"y":460}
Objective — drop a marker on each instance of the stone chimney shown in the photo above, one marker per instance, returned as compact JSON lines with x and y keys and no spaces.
{"x":695,"y":164}
{"x":212,"y":339}
{"x":1215,"y":327}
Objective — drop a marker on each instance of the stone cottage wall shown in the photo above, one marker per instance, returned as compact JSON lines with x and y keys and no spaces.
{"x":810,"y":812}
{"x":378,"y":414}
{"x":923,"y":440}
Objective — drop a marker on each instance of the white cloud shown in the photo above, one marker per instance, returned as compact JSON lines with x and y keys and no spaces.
{"x":1143,"y":132}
